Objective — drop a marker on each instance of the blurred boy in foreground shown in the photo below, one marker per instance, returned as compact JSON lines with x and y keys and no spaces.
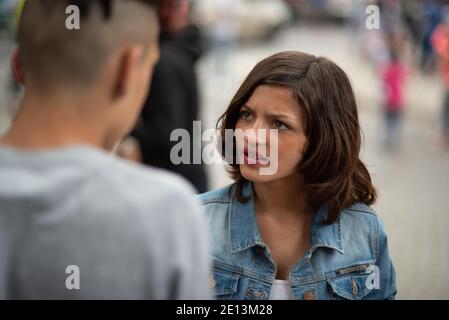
{"x":65,"y":202}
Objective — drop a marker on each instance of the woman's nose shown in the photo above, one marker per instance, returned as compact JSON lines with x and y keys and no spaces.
{"x":258,"y":134}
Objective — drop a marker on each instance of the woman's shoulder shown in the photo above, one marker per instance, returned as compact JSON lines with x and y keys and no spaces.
{"x":360,"y":221}
{"x":221,"y":195}
{"x":215,"y":206}
{"x":361,"y":209}
{"x":359,"y":214}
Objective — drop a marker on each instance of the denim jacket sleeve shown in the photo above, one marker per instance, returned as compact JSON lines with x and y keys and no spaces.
{"x":386,"y":288}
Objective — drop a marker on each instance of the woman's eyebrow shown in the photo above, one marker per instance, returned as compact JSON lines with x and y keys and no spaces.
{"x":281,"y":116}
{"x":284,"y":116}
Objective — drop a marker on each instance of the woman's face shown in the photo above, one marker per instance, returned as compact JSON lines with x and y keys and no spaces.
{"x":270,"y":107}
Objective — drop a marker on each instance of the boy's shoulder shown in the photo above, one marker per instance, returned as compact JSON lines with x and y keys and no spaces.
{"x":144,"y":183}
{"x":148,"y":200}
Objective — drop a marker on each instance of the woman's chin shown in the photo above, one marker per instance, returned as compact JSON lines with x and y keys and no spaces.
{"x":253,"y":173}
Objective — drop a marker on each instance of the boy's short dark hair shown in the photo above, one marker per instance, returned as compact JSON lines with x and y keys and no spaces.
{"x":52,"y":54}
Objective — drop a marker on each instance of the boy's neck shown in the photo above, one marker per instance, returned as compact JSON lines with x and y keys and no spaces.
{"x":52,"y":123}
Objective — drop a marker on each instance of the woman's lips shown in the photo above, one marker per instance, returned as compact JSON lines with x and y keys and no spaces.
{"x":255,"y":158}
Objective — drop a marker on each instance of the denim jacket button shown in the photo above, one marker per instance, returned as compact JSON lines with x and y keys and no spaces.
{"x":309,"y":295}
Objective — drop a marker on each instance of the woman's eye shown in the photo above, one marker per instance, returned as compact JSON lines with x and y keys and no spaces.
{"x":245,"y":115}
{"x":280,"y":125}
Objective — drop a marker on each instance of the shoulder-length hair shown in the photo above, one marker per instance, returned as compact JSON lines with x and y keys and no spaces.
{"x":333,"y":172}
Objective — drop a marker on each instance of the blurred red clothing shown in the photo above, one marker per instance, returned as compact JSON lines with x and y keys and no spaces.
{"x":393,"y":77}
{"x":440,"y":43}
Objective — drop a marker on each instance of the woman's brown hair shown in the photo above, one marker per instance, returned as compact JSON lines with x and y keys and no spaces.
{"x":333,"y":172}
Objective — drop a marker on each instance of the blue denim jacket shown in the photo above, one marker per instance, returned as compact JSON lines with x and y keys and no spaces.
{"x":346,"y":260}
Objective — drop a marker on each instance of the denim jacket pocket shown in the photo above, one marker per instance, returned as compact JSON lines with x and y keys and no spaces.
{"x":352,"y":287}
{"x":225,"y":284}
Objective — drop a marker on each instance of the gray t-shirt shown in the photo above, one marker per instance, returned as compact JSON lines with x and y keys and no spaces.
{"x":79,"y":217}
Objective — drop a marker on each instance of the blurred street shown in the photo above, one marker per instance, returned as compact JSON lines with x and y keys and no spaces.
{"x":413,"y":182}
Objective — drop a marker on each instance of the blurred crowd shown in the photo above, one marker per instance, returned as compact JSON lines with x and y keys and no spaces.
{"x":412,"y":39}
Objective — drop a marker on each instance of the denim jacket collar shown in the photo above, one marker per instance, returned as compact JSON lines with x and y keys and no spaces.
{"x":244,"y":232}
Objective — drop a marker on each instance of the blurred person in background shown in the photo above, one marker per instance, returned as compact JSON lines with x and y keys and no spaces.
{"x":173,"y":102}
{"x":391,"y":16}
{"x":6,"y":19}
{"x":66,"y":202}
{"x":431,"y":18}
{"x":411,"y":17}
{"x":440,"y":42}
{"x":9,"y":16}
{"x":225,"y":31}
{"x":15,"y":92}
{"x":393,"y":75}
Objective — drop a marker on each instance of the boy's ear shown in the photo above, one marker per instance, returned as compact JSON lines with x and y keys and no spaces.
{"x":128,"y":63}
{"x":17,"y":67}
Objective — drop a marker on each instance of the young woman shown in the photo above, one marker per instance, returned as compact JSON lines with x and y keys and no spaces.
{"x":306,"y":231}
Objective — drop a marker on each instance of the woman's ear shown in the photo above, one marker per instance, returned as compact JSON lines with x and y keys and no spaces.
{"x":128,"y":64}
{"x":17,"y":67}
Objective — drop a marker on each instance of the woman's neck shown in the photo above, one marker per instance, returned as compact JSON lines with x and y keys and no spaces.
{"x":285,"y":196}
